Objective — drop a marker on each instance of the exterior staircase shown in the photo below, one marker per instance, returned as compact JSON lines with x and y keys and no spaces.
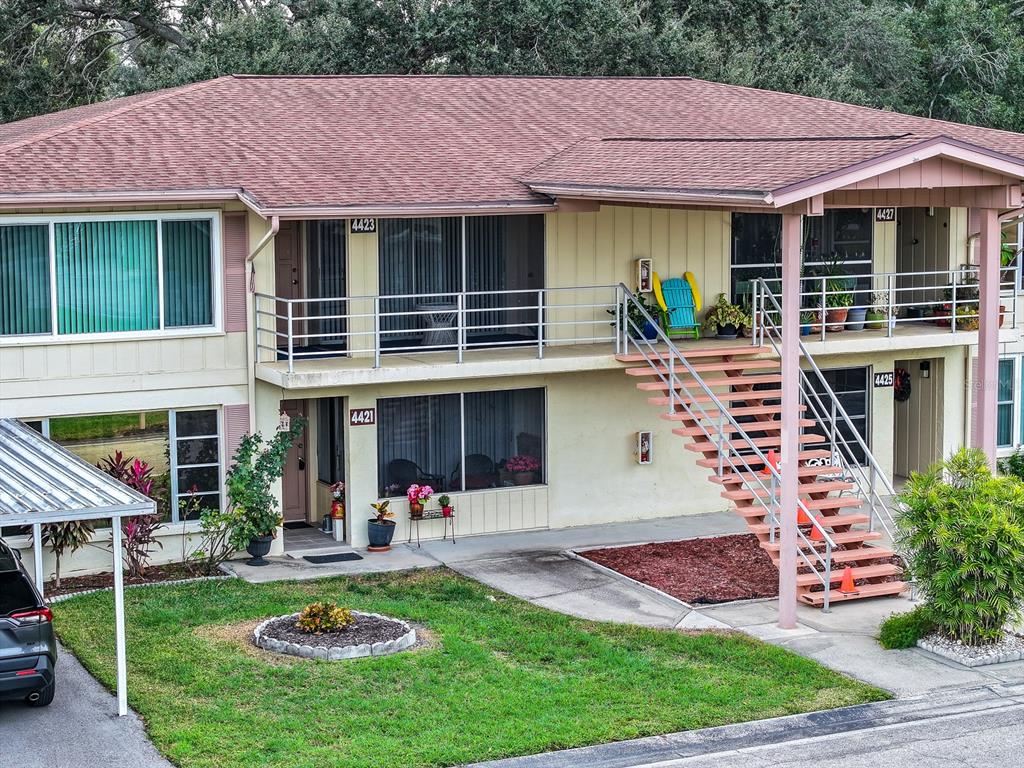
{"x":723,"y":401}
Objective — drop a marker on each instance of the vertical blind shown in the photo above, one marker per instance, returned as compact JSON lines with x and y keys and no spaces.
{"x":424,"y":256}
{"x":106,"y":276}
{"x":24,"y":279}
{"x":326,"y":248}
{"x":420,"y":439}
{"x":188,"y":278}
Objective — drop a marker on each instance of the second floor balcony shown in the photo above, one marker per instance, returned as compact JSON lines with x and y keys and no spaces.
{"x":339,"y":341}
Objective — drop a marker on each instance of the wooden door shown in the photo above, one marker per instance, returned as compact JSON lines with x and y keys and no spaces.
{"x":295,"y":501}
{"x":289,"y":277}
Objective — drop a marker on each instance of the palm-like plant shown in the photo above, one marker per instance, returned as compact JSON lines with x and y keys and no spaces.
{"x":66,"y":537}
{"x":963,"y":530}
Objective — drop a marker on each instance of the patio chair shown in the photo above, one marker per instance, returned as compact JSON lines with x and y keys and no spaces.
{"x":402,"y":473}
{"x":480,"y":473}
{"x":680,"y":308}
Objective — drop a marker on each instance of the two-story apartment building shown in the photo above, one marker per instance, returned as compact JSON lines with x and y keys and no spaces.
{"x":440,"y":275}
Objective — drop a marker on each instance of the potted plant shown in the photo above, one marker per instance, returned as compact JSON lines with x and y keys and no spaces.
{"x":876,"y":316}
{"x":838,"y":301}
{"x":379,"y":529}
{"x":256,"y":467}
{"x":807,"y":319}
{"x":726,"y":319}
{"x":855,"y":318}
{"x":523,"y":468}
{"x":418,"y":496}
{"x":638,"y":326}
{"x":338,"y":504}
{"x":446,"y":505}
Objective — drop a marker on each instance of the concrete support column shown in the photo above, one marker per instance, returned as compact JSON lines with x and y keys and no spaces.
{"x":792,"y":235}
{"x":361,"y":472}
{"x":987,"y":385}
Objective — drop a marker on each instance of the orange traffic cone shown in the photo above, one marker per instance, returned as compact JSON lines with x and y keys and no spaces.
{"x":816,"y":534}
{"x":848,"y":587}
{"x":801,"y":517}
{"x":772,"y":461}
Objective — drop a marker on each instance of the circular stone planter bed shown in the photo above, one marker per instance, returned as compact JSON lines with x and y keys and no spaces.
{"x":371,"y":635}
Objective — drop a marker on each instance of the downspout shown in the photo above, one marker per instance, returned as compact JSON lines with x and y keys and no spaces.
{"x":250,"y":266}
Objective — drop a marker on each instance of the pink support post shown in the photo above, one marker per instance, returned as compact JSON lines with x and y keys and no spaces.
{"x":792,"y":235}
{"x":986,"y":387}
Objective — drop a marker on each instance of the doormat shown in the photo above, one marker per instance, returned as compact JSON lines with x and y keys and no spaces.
{"x":296,"y":525}
{"x":341,"y":557}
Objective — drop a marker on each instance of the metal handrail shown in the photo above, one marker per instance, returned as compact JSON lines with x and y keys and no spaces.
{"x":355,"y":315}
{"x":669,"y":364}
{"x":961,"y":307}
{"x":865,"y":481}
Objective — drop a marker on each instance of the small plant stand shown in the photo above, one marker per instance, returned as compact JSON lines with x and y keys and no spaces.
{"x":449,"y":520}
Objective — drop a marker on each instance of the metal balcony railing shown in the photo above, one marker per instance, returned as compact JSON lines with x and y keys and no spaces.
{"x":456,"y":322}
{"x":889,"y":300}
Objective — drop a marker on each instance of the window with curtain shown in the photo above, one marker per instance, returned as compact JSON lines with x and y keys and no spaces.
{"x":326,"y":246}
{"x":188,"y":275}
{"x":1004,"y":404}
{"x":421,"y":440}
{"x":425,"y":256}
{"x":106,"y":275}
{"x":24,"y":280}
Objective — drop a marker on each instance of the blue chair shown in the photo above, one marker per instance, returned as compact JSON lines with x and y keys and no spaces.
{"x":681,"y":309}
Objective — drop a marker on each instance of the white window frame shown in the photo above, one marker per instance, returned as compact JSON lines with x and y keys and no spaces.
{"x":172,"y":442}
{"x":216,"y":265}
{"x":462,"y":437}
{"x":1016,"y":404}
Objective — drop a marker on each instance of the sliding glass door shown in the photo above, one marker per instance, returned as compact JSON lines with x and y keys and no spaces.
{"x":498,"y":261}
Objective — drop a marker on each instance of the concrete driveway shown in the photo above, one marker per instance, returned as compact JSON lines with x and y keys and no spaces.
{"x":80,"y":729}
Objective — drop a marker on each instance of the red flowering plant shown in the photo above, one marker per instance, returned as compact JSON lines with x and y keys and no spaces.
{"x":139,"y":532}
{"x":419,"y":494}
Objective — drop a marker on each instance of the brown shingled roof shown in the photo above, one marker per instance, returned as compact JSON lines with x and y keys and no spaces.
{"x":351,"y":141}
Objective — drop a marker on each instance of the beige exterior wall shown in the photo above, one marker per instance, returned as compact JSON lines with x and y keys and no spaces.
{"x":592,"y":474}
{"x":81,"y":376}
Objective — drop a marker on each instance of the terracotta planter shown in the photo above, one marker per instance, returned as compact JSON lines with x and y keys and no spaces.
{"x":415,"y":509}
{"x":835,"y":319}
{"x":522,"y":478}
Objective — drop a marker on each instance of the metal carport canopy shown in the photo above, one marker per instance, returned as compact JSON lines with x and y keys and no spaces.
{"x":42,"y":482}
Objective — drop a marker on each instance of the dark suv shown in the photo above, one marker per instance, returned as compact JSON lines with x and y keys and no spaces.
{"x":28,"y":650}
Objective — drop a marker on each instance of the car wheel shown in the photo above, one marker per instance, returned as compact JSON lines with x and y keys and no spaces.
{"x":45,"y":695}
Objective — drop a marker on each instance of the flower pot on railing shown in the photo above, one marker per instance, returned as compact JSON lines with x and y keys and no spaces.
{"x":875,"y":321}
{"x":855,"y":318}
{"x":835,"y":319}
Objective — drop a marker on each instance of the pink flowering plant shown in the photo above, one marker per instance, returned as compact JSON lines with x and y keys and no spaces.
{"x":523,"y":463}
{"x":419,"y":494}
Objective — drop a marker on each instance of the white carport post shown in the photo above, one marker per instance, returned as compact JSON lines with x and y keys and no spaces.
{"x":119,"y":638}
{"x":37,"y":555}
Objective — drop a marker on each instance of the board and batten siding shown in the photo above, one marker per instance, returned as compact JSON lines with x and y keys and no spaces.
{"x":600,"y":248}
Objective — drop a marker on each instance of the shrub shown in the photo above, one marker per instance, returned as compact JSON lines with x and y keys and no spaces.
{"x":139,"y":532}
{"x":963,"y":532}
{"x":1013,"y":465}
{"x":317,"y":618}
{"x":66,"y":537}
{"x":256,"y":467}
{"x":903,"y":630}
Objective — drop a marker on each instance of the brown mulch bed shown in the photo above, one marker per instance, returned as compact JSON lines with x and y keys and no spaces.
{"x":154,"y":575}
{"x":714,"y":570}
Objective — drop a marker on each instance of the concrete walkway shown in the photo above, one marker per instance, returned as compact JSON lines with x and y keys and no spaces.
{"x":976,"y":727}
{"x":80,"y":729}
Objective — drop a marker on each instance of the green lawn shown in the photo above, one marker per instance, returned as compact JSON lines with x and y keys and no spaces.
{"x":503,"y":677}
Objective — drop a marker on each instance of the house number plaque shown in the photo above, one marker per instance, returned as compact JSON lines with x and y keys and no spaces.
{"x":362,"y":417}
{"x":362,"y":226}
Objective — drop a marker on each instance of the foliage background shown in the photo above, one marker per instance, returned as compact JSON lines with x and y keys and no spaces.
{"x":960,"y":60}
